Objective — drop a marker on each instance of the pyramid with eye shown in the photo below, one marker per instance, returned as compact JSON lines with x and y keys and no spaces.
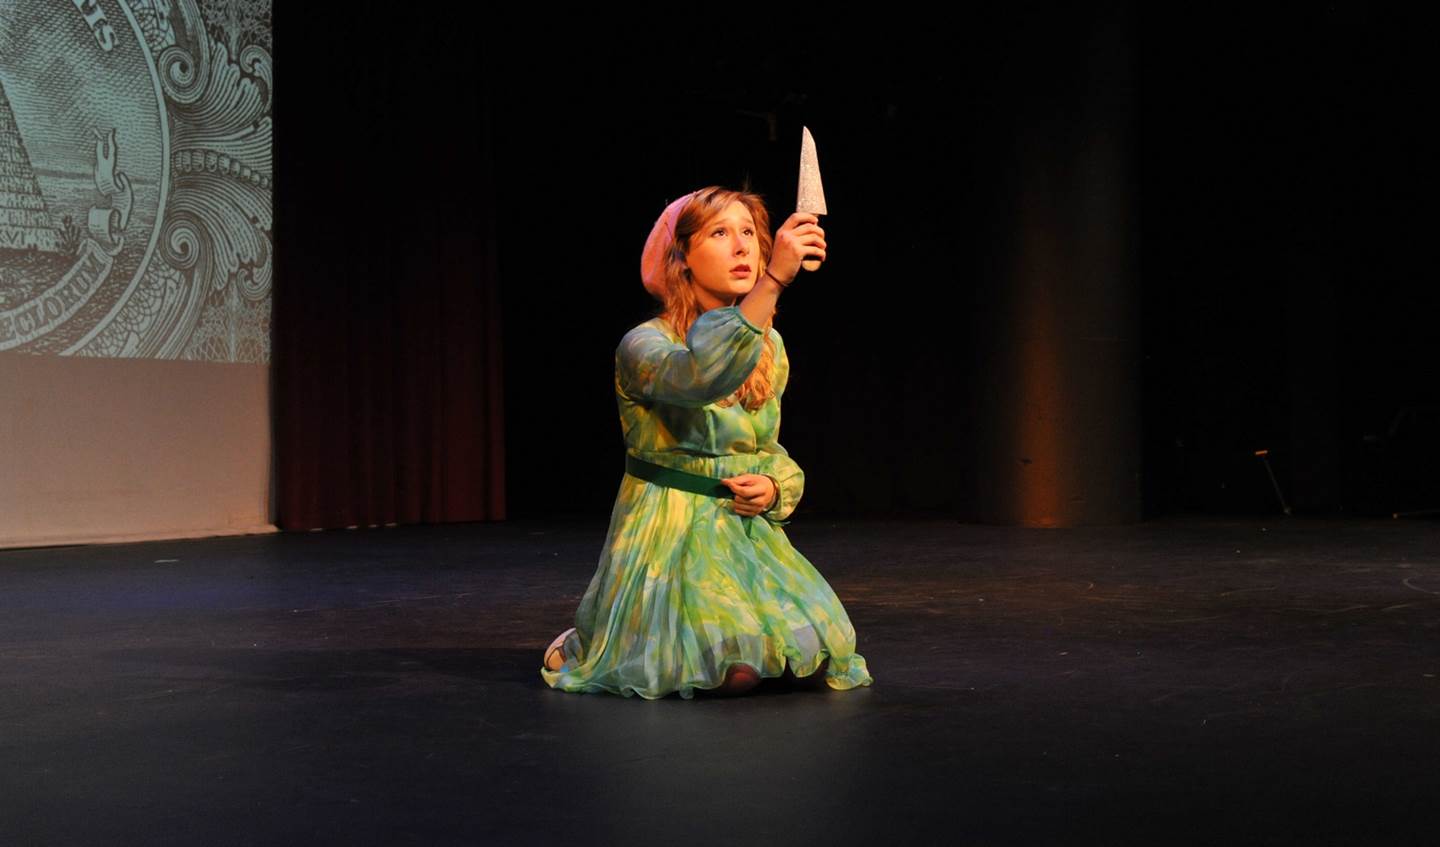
{"x":24,"y":219}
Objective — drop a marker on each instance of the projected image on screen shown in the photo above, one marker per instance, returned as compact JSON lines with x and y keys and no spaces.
{"x":135,"y":178}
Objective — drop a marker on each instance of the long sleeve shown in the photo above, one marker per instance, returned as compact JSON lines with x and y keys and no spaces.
{"x":719,"y":353}
{"x":775,"y":462}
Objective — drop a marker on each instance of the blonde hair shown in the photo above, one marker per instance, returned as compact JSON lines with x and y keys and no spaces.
{"x":680,"y":306}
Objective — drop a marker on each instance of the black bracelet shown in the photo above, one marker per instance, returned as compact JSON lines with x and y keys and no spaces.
{"x":783,"y":285}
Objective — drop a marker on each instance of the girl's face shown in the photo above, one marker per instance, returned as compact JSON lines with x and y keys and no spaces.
{"x":724,"y":257}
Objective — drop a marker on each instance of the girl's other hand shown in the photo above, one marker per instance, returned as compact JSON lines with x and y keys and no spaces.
{"x":753,"y":493}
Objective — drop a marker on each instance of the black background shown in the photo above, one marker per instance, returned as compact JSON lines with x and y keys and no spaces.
{"x":1273,"y":162}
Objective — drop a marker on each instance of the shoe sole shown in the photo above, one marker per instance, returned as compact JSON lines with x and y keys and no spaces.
{"x":555,"y":648}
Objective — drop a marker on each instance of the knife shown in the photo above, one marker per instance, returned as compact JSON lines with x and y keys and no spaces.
{"x":812,"y":192}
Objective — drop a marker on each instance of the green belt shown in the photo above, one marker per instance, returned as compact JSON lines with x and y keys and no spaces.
{"x":672,"y":478}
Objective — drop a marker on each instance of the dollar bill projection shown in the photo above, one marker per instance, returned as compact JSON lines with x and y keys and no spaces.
{"x":136,"y":179}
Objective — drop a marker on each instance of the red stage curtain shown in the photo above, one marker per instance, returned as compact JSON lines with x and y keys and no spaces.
{"x":387,"y":363}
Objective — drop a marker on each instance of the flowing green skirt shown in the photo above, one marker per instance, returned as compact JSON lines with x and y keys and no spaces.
{"x":686,"y":588}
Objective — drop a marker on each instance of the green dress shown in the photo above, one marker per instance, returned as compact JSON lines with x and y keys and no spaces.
{"x":685,"y":586}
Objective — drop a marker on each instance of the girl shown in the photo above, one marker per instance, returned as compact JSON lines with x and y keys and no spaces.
{"x":697,"y":585}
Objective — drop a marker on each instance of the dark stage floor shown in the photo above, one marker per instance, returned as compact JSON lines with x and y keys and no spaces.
{"x":1185,"y":682}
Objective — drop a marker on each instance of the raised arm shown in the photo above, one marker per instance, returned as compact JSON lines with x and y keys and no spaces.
{"x":719,"y":353}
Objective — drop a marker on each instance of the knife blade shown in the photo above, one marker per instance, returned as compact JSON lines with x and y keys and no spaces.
{"x":812,"y":191}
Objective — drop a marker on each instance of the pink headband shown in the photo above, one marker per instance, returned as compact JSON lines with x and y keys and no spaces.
{"x":662,"y":237}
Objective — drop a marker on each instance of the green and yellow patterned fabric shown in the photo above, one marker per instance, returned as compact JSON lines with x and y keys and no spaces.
{"x":686,"y":587}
